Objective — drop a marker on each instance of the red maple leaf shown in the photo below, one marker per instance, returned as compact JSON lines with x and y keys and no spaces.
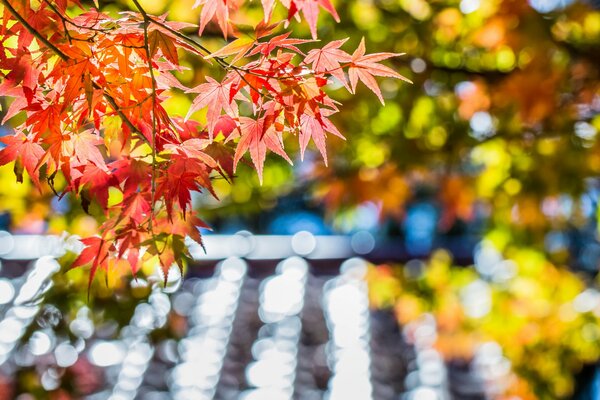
{"x":257,"y":138}
{"x":193,"y":148}
{"x":216,"y":96}
{"x":183,"y":176}
{"x":218,"y":9}
{"x":71,"y":150}
{"x":310,"y":10}
{"x":316,"y":126}
{"x":25,"y":152}
{"x":327,"y":60}
{"x":363,"y":67}
{"x":163,"y":41}
{"x":278,"y":42}
{"x":97,"y":252}
{"x":96,"y":181}
{"x":137,"y":207}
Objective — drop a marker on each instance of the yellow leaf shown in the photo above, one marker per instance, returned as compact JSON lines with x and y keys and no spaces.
{"x":239,"y":47}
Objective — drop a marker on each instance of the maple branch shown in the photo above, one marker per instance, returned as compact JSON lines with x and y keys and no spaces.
{"x":34,"y":32}
{"x":181,"y":36}
{"x":138,"y":104}
{"x":64,"y":57}
{"x":147,"y":22}
{"x":66,"y":20}
{"x":62,"y":18}
{"x":220,"y":60}
{"x":115,"y":106}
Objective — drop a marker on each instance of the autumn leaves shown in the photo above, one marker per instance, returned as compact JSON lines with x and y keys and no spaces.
{"x":92,"y":95}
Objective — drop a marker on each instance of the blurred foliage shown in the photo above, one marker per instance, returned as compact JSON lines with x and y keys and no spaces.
{"x":547,"y":328}
{"x":503,"y":113}
{"x":501,"y":124}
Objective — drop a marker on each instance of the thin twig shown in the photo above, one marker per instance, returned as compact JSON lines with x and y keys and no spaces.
{"x":62,"y":18}
{"x":147,"y":22}
{"x":66,"y":20}
{"x":34,"y":32}
{"x":220,"y":60}
{"x":66,"y":58}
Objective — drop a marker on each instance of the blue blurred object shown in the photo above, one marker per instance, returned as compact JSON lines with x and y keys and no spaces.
{"x":3,"y":132}
{"x":588,"y":383}
{"x":291,"y":222}
{"x":546,"y":6}
{"x":595,"y":386}
{"x":60,"y":205}
{"x":4,"y":221}
{"x":420,"y":228}
{"x":229,"y":226}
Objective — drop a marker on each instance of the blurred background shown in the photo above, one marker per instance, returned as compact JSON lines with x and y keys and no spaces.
{"x":449,"y":251}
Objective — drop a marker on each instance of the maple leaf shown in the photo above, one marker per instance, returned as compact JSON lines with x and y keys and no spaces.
{"x":257,"y":139}
{"x":268,"y":8}
{"x":137,"y":207}
{"x":240,"y":47}
{"x":84,"y":146}
{"x":316,"y":127}
{"x":363,"y":67}
{"x":193,"y":148}
{"x":172,"y":37}
{"x":133,"y":257}
{"x":44,"y":120}
{"x":327,"y":60}
{"x":170,"y":249}
{"x":75,"y":73}
{"x":182,"y":176}
{"x":310,"y":10}
{"x":246,"y":39}
{"x":96,"y":181}
{"x":133,"y":175}
{"x":278,"y":42}
{"x":21,"y":82}
{"x":18,"y":104}
{"x":255,"y":82}
{"x":218,"y":9}
{"x":214,"y":95}
{"x":71,"y":150}
{"x":173,"y":233}
{"x":223,"y":154}
{"x":129,"y":239}
{"x":159,"y":40}
{"x":225,"y":125}
{"x":96,"y":253}
{"x":191,"y":228}
{"x":24,"y":152}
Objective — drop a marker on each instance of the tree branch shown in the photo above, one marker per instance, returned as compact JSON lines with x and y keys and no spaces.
{"x":147,"y":22}
{"x":32,"y":30}
{"x":64,"y":57}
